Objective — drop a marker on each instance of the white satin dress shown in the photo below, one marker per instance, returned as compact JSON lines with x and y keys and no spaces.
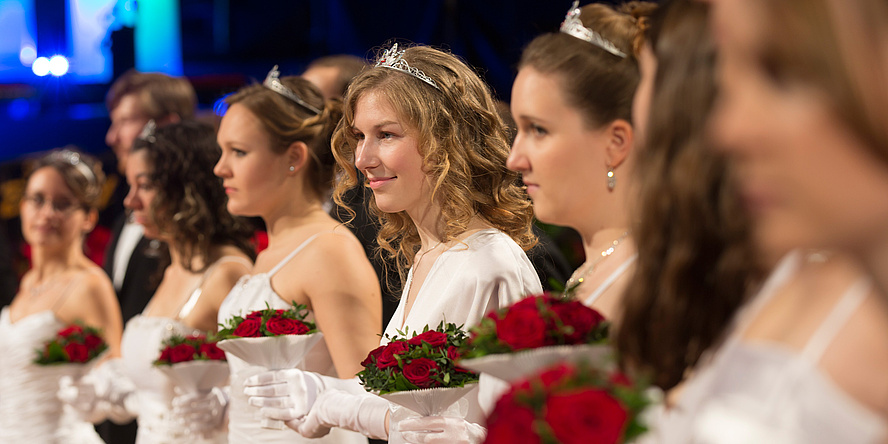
{"x":30,"y":413}
{"x":140,"y":347}
{"x":244,"y":421}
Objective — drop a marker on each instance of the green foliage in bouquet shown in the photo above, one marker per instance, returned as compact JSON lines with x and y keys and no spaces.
{"x":177,"y":348}
{"x":425,"y":360}
{"x":77,"y":343}
{"x":569,"y":404}
{"x":534,"y":322}
{"x":268,"y":322}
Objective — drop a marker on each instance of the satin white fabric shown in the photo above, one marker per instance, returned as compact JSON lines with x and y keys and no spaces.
{"x":755,"y":392}
{"x":244,"y":421}
{"x":29,"y":409}
{"x":485,"y":272}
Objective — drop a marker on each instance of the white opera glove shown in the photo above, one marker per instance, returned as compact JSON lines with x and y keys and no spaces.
{"x":440,"y":430}
{"x":202,"y":413}
{"x":288,"y":395}
{"x":363,"y":413}
{"x":103,"y":393}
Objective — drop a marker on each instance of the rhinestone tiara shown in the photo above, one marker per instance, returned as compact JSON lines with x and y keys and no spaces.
{"x":73,"y":158}
{"x":273,"y":82}
{"x":393,"y":59}
{"x":148,"y":130}
{"x":573,"y":26}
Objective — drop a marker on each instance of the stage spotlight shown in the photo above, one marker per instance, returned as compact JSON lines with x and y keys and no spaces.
{"x":27,"y":55}
{"x":40,"y":67}
{"x":58,"y":66}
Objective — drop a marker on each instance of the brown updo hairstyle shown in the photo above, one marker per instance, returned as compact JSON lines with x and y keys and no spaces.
{"x":287,"y":122}
{"x":597,"y":83}
{"x":463,"y":143}
{"x":696,"y":264}
{"x":190,"y":202}
{"x":81,"y":172}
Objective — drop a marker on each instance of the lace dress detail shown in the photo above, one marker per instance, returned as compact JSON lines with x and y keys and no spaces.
{"x":29,"y":409}
{"x":244,"y":421}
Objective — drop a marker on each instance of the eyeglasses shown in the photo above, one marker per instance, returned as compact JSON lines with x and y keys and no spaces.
{"x":62,"y":206}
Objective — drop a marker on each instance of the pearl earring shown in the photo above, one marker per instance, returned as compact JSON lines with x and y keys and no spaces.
{"x":292,"y":168}
{"x":611,"y":179}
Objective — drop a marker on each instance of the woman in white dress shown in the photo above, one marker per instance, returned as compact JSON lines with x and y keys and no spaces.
{"x":175,"y":197}
{"x":804,"y":360}
{"x":423,"y":130}
{"x":58,"y":209}
{"x":572,"y":102}
{"x":276,"y":164}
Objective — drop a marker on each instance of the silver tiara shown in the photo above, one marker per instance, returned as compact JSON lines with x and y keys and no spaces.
{"x":573,"y":26}
{"x":393,"y":59}
{"x":73,"y":158}
{"x":273,"y":82}
{"x":148,"y":130}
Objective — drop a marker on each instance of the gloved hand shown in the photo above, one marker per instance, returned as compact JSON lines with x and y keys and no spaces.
{"x":201,"y":413}
{"x":288,"y":395}
{"x":364,"y":413}
{"x":102,"y":393}
{"x":440,"y":430}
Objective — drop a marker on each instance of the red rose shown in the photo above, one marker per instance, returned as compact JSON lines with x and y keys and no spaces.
{"x":212,"y":351}
{"x":522,"y":329}
{"x":452,"y":353}
{"x":254,"y":315}
{"x":70,"y":330}
{"x":277,"y":325}
{"x":509,"y":424}
{"x":433,"y":338}
{"x":165,"y":355}
{"x":386,"y":358}
{"x":373,"y":356}
{"x":586,"y":416}
{"x":181,"y":353}
{"x":579,"y":318}
{"x":420,"y":370}
{"x":92,"y":342}
{"x":77,"y":352}
{"x":249,"y":328}
{"x":555,"y":374}
{"x":620,"y":379}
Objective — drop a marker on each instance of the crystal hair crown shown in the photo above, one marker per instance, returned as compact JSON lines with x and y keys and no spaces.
{"x":73,"y":158}
{"x":393,"y":59}
{"x":273,"y":82}
{"x":148,"y":130}
{"x":573,"y":26}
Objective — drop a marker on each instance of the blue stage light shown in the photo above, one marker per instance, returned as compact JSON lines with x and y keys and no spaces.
{"x":27,"y":55}
{"x":40,"y":67}
{"x":58,"y":66}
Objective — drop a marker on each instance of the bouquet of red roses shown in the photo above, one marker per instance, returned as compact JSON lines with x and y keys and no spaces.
{"x":275,"y":339}
{"x":569,"y":404}
{"x":73,"y":344}
{"x":420,"y":372}
{"x":269,"y":322}
{"x":533,"y":333}
{"x":177,"y":349}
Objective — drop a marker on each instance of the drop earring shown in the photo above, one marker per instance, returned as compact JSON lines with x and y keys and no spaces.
{"x":611,"y":179}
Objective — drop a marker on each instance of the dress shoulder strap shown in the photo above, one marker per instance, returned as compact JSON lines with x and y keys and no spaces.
{"x":293,"y":254}
{"x":836,"y":319}
{"x":610,"y":280}
{"x":63,"y":296}
{"x":195,"y":294}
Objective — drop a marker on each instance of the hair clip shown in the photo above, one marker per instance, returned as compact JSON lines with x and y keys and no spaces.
{"x":573,"y":26}
{"x":273,"y":82}
{"x":393,"y":59}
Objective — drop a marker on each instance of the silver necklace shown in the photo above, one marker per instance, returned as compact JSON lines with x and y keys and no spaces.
{"x":577,"y":279}
{"x":416,"y":265}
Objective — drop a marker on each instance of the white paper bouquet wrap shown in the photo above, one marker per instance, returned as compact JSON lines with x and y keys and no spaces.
{"x":511,"y":367}
{"x":272,"y":353}
{"x":442,"y":401}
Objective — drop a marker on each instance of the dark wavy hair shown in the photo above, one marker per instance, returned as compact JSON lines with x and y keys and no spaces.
{"x":464,"y":146}
{"x":190,"y":203}
{"x":696,"y":262}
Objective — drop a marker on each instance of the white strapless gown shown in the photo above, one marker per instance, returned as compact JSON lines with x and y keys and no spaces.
{"x":140,"y":346}
{"x":30,"y":413}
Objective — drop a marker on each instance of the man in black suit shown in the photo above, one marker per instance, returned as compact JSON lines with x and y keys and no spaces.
{"x":131,"y":260}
